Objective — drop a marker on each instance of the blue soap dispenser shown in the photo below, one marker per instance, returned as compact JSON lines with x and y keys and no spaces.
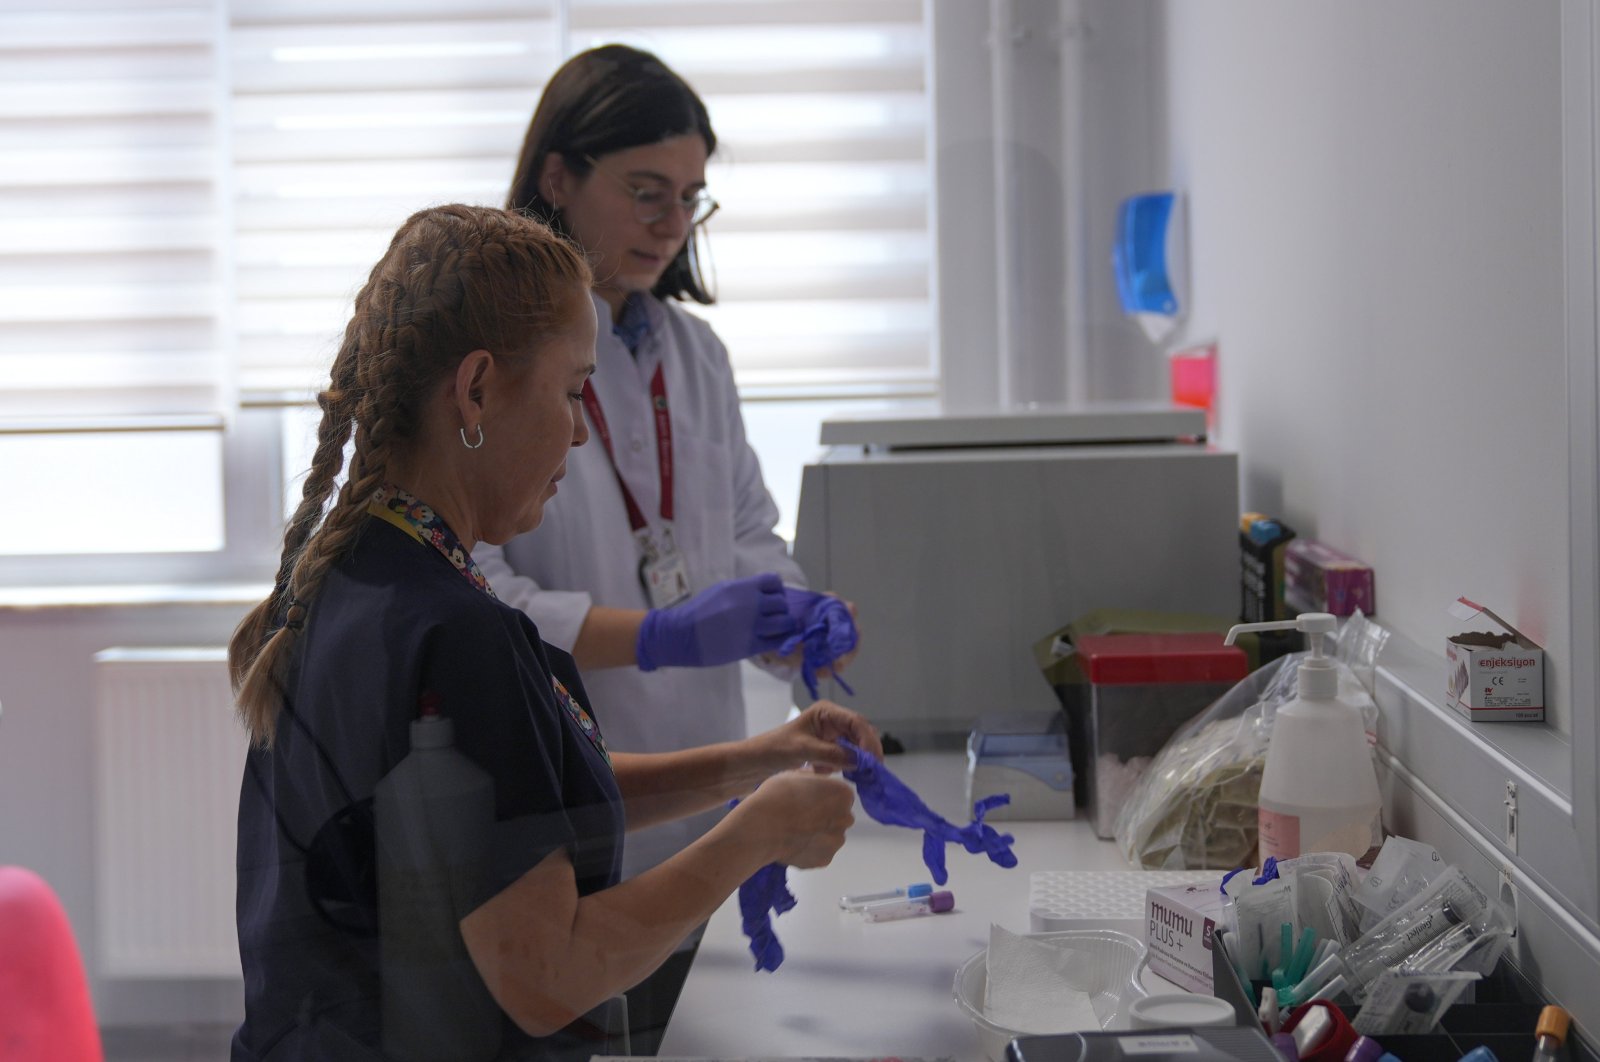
{"x":1148,"y":256}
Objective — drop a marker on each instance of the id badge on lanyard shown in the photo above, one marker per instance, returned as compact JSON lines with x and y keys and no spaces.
{"x":663,"y":573}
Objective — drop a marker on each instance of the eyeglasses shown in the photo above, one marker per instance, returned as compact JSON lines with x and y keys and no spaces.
{"x":650,"y":205}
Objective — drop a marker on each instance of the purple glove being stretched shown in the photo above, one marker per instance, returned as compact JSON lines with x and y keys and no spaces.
{"x":890,"y":801}
{"x":765,"y":890}
{"x":827,"y":632}
{"x":723,"y":623}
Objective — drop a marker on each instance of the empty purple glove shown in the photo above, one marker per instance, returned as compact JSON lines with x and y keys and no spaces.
{"x":827,"y":632}
{"x":723,"y":623}
{"x":767,"y":890}
{"x":890,"y":801}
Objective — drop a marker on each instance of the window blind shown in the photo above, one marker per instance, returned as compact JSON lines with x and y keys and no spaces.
{"x":110,"y":229}
{"x":347,"y":116}
{"x":822,"y":252}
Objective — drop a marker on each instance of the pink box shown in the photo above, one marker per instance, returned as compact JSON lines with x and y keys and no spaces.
{"x":1318,"y":578}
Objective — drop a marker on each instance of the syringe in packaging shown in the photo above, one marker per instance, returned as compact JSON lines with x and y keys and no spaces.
{"x":1449,"y":900}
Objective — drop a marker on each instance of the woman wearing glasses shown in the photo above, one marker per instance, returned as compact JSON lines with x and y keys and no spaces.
{"x":668,"y":516}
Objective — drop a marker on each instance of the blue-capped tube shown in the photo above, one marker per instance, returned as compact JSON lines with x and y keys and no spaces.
{"x":859,"y":900}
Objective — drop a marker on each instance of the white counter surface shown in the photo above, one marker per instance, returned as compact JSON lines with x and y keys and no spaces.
{"x":849,"y":988}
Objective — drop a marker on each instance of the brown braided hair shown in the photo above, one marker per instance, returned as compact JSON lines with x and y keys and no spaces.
{"x":455,"y":279}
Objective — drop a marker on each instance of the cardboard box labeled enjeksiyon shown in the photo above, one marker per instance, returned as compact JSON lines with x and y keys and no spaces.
{"x":1179,"y":922}
{"x":1493,"y":676}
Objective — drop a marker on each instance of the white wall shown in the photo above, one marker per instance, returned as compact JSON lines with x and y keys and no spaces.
{"x":1381,"y":243}
{"x":1376,"y":208}
{"x":47,"y":782}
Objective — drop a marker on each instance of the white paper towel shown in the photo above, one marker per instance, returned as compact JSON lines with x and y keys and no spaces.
{"x":1036,"y":986}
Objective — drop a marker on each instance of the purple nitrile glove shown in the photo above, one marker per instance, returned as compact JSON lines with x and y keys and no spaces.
{"x":723,"y":623}
{"x":827,"y":632}
{"x":890,"y":801}
{"x":763,"y":894}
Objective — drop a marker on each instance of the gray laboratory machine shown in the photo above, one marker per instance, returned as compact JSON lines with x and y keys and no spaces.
{"x":963,"y":539}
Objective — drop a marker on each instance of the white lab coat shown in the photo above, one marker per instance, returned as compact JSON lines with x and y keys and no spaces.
{"x":584,"y":553}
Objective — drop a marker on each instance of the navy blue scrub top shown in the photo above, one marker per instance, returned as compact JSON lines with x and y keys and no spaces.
{"x":392,"y":622}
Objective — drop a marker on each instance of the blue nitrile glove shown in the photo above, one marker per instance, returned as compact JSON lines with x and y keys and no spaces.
{"x":723,"y":623}
{"x":767,"y":890}
{"x":827,"y":632}
{"x":891,"y":802}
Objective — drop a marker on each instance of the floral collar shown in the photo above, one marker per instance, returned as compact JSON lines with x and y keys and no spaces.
{"x":423,"y":524}
{"x":410,"y":515}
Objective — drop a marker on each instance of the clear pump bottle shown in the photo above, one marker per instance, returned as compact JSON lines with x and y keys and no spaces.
{"x":433,"y":814}
{"x":1319,"y":792}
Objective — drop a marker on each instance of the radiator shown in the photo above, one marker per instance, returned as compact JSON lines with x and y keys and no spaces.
{"x":169,"y":756}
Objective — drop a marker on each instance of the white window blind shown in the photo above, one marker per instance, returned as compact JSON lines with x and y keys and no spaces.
{"x":822,"y":250}
{"x":110,"y":230}
{"x":347,"y":116}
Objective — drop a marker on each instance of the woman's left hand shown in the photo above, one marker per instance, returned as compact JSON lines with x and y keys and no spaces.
{"x":812,"y":738}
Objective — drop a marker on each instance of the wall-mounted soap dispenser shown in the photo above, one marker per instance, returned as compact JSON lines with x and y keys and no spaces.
{"x":1149,"y":255}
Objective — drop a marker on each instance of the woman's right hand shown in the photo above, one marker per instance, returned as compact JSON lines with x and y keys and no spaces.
{"x":798,"y":817}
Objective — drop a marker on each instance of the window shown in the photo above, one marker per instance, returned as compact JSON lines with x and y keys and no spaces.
{"x":191,"y":191}
{"x":111,"y":263}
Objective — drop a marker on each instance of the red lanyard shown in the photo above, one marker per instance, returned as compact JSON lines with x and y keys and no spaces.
{"x":658,"y":404}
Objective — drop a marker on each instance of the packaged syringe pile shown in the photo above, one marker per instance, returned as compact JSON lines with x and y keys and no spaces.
{"x":1394,"y":947}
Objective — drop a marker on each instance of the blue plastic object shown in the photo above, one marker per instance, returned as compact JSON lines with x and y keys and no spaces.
{"x":1139,"y":254}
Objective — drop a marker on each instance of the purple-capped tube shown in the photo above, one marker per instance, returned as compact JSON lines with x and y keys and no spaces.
{"x":1365,"y":1049}
{"x":893,"y":910}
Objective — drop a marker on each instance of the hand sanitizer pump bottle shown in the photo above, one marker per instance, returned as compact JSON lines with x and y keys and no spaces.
{"x":1319,"y":792}
{"x":433,"y":814}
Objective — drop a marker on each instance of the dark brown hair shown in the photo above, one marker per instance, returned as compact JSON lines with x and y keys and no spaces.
{"x":455,"y":279}
{"x":610,"y":99}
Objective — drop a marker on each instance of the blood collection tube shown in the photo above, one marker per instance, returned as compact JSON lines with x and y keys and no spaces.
{"x":892,"y":910}
{"x":861,"y":899}
{"x":1552,"y":1033}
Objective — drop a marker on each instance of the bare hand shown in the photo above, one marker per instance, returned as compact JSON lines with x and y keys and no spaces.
{"x":812,"y":738}
{"x":799,"y":817}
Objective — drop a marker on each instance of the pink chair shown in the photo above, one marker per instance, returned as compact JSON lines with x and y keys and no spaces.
{"x":45,"y":1013}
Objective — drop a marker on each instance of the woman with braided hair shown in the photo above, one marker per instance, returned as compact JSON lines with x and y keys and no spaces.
{"x":458,"y":388}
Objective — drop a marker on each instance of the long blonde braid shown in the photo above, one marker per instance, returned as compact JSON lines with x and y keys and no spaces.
{"x":454,"y":279}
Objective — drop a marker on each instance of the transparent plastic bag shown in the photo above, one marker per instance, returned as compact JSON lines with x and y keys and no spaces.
{"x":1195,"y":807}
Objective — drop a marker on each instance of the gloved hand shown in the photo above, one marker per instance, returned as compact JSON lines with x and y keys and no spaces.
{"x":725,"y":622}
{"x":827,"y":633}
{"x":890,"y":801}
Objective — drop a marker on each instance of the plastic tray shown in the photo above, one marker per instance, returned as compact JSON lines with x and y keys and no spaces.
{"x":1058,"y":898}
{"x":1116,"y":962}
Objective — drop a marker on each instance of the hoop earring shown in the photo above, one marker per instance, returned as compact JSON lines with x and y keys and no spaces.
{"x":468,"y":445}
